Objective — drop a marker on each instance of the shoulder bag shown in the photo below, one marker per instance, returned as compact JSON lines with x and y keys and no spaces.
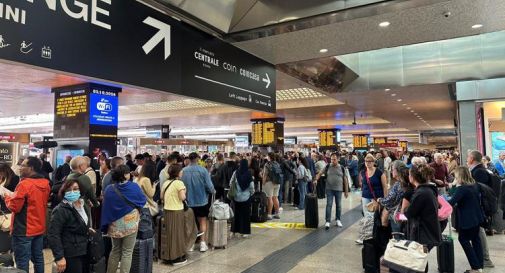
{"x":405,"y":256}
{"x":374,"y":205}
{"x":233,"y":187}
{"x":96,"y":246}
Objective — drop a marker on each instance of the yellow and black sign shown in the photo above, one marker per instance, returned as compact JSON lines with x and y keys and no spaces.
{"x":276,"y":225}
{"x":380,"y":140}
{"x":328,"y":138}
{"x":404,"y":145}
{"x":267,"y":132}
{"x":360,"y":141}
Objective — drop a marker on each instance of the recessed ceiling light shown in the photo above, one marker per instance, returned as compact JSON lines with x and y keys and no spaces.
{"x":384,"y":24}
{"x":477,"y":26}
{"x":399,"y":100}
{"x":408,"y":108}
{"x":412,"y":111}
{"x":404,"y":104}
{"x":392,"y":95}
{"x":323,"y":50}
{"x":387,"y":89}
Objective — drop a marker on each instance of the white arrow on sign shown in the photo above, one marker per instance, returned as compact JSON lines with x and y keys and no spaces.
{"x":162,"y":34}
{"x":267,"y":80}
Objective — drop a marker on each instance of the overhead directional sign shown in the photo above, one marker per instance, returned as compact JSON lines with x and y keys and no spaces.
{"x":127,"y":42}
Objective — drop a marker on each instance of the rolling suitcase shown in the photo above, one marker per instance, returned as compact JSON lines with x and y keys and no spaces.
{"x":369,"y":257}
{"x":259,"y":213}
{"x":218,"y":233}
{"x":159,"y":236}
{"x":311,"y":211}
{"x":445,"y":253}
{"x":142,"y":258}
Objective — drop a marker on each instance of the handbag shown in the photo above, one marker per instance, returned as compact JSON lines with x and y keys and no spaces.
{"x":96,"y":247}
{"x":405,"y":256}
{"x":5,"y":221}
{"x":374,"y":205}
{"x":445,"y":209}
{"x":233,"y":187}
{"x":220,"y":210}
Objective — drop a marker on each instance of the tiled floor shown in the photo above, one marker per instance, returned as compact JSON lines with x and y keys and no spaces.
{"x":340,"y":254}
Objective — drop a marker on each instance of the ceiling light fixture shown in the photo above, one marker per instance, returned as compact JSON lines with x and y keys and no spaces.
{"x":323,"y":50}
{"x":404,"y":104}
{"x":384,"y":24}
{"x":392,"y":95}
{"x":412,"y":111}
{"x":408,"y":108}
{"x":399,"y":100}
{"x":387,"y":89}
{"x":477,"y":26}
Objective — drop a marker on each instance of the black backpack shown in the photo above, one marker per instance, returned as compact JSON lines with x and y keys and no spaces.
{"x":275,"y":173}
{"x":488,"y":200}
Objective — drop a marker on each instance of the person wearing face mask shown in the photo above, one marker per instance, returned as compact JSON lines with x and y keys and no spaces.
{"x":70,"y":225}
{"x":121,"y":207}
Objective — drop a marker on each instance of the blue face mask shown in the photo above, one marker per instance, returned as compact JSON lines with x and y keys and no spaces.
{"x":72,"y":196}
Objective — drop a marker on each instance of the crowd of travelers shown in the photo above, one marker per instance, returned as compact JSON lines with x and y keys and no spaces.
{"x":121,"y":198}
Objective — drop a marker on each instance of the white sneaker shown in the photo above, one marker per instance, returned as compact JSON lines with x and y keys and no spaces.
{"x":359,"y":242}
{"x":327,"y":225}
{"x":192,"y":248}
{"x":280,"y":210}
{"x":203,"y":247}
{"x":339,"y":224}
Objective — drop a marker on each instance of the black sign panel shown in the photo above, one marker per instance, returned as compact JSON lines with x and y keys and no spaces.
{"x":127,"y":42}
{"x":86,"y":110}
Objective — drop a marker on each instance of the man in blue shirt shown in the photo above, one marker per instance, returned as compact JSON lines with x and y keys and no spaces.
{"x":499,"y":164}
{"x":198,"y":187}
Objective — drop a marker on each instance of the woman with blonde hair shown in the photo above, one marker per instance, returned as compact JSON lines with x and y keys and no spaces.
{"x":467,"y":201}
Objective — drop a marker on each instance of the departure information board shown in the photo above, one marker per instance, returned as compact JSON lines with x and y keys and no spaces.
{"x":378,"y":141}
{"x":404,"y":145}
{"x":71,"y":116}
{"x":268,"y":132}
{"x":329,"y":138}
{"x":360,"y":141}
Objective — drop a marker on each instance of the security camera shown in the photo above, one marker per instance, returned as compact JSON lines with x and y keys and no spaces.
{"x":447,"y":14}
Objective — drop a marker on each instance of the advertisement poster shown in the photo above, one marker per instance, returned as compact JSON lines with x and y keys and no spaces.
{"x":497,"y":144}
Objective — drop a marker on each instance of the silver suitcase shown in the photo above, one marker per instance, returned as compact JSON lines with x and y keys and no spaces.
{"x":218,"y":233}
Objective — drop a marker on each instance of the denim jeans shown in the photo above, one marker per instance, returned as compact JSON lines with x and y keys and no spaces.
{"x":302,"y":188}
{"x":122,"y":251}
{"x":470,"y":241}
{"x":29,"y":248}
{"x":330,"y":194}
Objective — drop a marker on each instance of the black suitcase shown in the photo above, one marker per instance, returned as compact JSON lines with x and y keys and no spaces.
{"x":311,"y":211}
{"x":142,"y":258}
{"x":5,"y":241}
{"x":100,"y":267}
{"x":321,"y":188}
{"x":369,"y":257}
{"x":445,"y":253}
{"x":259,"y":213}
{"x":159,"y":228}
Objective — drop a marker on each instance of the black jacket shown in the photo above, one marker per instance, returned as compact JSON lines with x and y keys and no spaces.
{"x":481,"y":175}
{"x":68,"y":235}
{"x":224,"y":173}
{"x":61,"y":172}
{"x":289,"y":170}
{"x":422,"y":213}
{"x":467,"y":199}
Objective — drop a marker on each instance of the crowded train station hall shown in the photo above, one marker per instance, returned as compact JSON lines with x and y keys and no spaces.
{"x":255,"y":136}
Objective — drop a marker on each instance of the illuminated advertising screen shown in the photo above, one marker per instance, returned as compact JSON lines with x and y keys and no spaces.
{"x":497,"y":144}
{"x":103,"y":107}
